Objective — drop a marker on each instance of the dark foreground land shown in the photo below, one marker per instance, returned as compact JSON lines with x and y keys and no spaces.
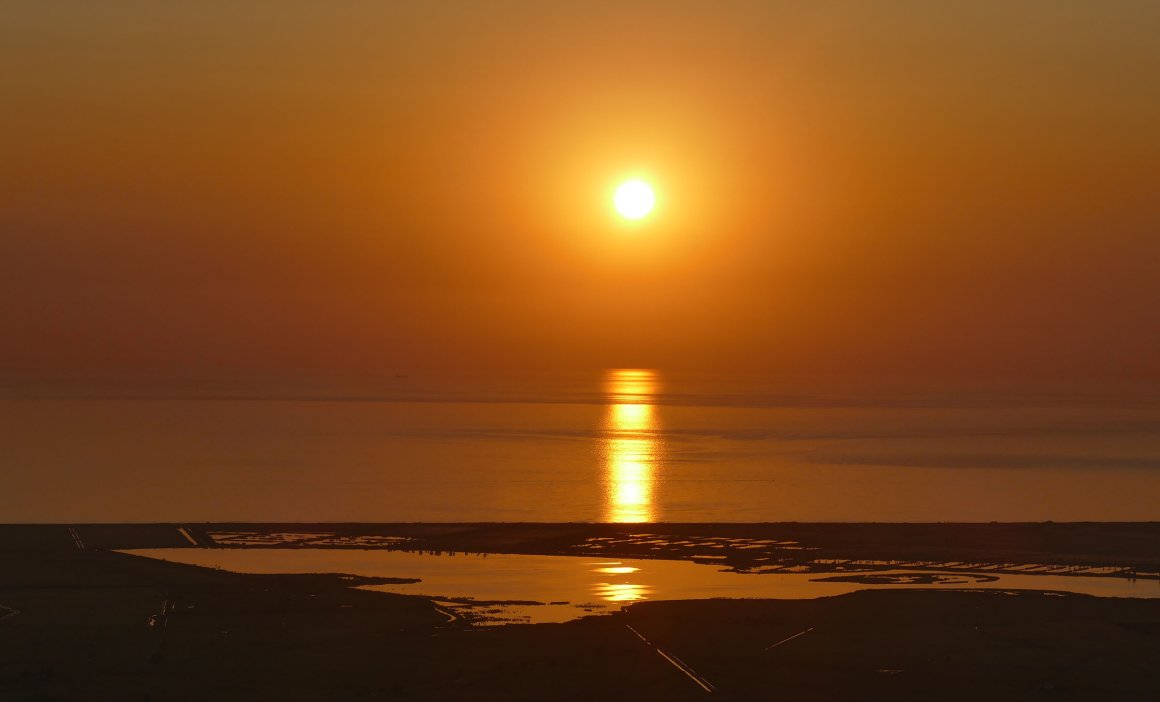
{"x":90,"y":624}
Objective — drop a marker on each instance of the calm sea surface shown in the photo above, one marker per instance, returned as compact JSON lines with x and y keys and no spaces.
{"x":629,"y":446}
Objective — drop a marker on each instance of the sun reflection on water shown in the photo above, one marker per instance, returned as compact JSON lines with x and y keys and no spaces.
{"x":616,"y":570}
{"x":621,"y":592}
{"x":630,"y":446}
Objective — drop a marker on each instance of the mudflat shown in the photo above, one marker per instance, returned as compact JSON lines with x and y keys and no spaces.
{"x":1131,"y":549}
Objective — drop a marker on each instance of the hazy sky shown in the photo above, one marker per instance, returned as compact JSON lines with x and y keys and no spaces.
{"x":869,"y":188}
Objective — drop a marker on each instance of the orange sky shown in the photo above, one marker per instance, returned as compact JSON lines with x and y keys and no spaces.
{"x":871,"y":189}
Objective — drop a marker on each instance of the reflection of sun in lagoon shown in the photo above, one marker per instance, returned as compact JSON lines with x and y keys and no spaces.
{"x":616,"y":569}
{"x":630,"y":446}
{"x":621,"y":591}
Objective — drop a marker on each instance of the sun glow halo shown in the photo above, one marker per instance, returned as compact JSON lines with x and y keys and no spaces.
{"x":634,"y":199}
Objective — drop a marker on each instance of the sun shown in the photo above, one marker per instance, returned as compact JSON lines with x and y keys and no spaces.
{"x":634,"y":199}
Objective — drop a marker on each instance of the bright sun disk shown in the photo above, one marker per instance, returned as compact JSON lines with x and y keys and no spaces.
{"x":634,"y":199}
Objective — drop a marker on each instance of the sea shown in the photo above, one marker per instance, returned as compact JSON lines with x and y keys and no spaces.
{"x":616,"y":445}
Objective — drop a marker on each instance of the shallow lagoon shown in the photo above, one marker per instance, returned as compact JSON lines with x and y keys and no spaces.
{"x":502,"y":588}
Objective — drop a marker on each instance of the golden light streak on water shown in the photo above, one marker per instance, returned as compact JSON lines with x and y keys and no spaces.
{"x":616,"y":570}
{"x":630,"y":385}
{"x":631,"y":447}
{"x":621,"y":592}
